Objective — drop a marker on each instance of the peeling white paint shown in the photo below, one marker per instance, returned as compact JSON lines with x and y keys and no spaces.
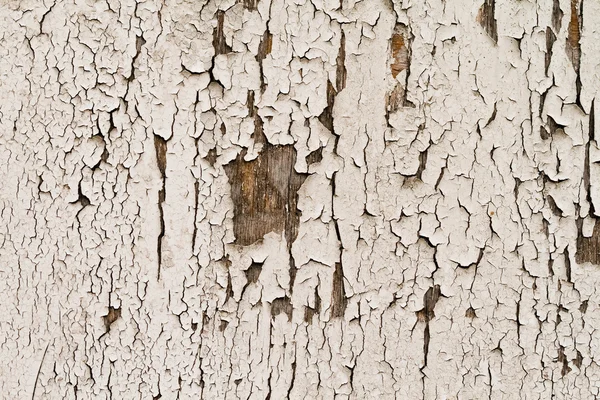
{"x":444,"y":243}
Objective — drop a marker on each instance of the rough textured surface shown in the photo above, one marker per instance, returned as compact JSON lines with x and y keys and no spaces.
{"x":304,"y":199}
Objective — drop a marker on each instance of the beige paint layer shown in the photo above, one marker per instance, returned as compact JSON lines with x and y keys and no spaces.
{"x":303,"y":199}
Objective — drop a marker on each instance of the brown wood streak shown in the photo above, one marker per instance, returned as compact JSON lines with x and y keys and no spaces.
{"x":550,"y":39}
{"x":573,"y":47}
{"x":557,"y":16}
{"x":341,"y":72}
{"x":160,"y":146}
{"x":219,"y":43}
{"x":264,"y":49}
{"x":309,"y":312}
{"x":251,"y":4}
{"x":339,"y":301}
{"x":427,"y":314}
{"x":399,"y":54}
{"x":487,"y":19}
{"x":588,"y":248}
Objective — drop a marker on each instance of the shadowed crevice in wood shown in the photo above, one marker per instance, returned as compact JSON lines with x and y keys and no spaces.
{"x":568,"y":268}
{"x":427,"y":314}
{"x":160,"y":146}
{"x":338,"y":293}
{"x":223,"y":325}
{"x":252,"y":275}
{"x":586,"y":161}
{"x":264,"y":49}
{"x":544,"y":134}
{"x":553,"y":206}
{"x":229,"y":288}
{"x":139,"y":43}
{"x":82,"y":199}
{"x":326,"y":117}
{"x":550,"y":39}
{"x":554,"y":128}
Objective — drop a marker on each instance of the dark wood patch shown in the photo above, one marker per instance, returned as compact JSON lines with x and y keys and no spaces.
{"x":400,"y":55}
{"x":400,"y":45}
{"x":264,"y":190}
{"x":430,"y":300}
{"x":315,"y":156}
{"x":211,"y":157}
{"x":160,"y":145}
{"x":282,"y":304}
{"x":487,"y":19}
{"x":470,"y":313}
{"x":588,"y":249}
{"x":265,"y":46}
{"x":139,"y":43}
{"x":253,"y":272}
{"x":113,"y":315}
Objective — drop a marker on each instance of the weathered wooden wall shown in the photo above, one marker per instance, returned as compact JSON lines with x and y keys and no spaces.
{"x":304,"y":199}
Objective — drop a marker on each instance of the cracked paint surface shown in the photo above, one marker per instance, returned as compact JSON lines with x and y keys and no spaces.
{"x":304,"y":199}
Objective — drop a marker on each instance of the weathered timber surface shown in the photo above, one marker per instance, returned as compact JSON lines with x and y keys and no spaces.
{"x":299,"y":199}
